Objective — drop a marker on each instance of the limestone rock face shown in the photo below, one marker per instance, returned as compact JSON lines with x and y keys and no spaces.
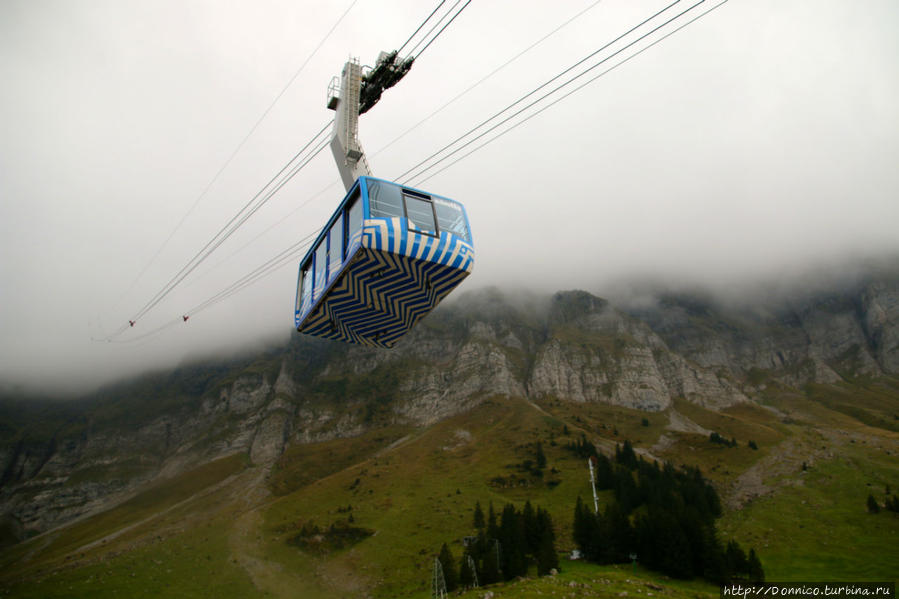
{"x":570,"y":346}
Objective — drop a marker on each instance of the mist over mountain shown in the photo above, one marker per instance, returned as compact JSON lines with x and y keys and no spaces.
{"x":62,"y":460}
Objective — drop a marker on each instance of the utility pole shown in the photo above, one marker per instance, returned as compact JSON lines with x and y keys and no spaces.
{"x":439,"y":584}
{"x":474,"y":569}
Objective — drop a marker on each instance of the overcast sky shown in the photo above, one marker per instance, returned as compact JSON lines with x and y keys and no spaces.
{"x":760,"y":139}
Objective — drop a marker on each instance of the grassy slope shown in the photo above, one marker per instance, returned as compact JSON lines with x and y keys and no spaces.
{"x":416,"y":489}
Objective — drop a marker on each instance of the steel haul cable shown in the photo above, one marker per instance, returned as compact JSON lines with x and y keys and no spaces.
{"x":532,"y":92}
{"x":578,"y":88}
{"x":234,"y":154}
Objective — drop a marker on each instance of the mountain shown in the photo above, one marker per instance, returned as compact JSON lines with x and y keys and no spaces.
{"x":663,"y":370}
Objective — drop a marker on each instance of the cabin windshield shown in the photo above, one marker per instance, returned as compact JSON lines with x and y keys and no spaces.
{"x":385,"y":200}
{"x":420,"y":213}
{"x":321,"y":269}
{"x":425,"y":213}
{"x":353,"y":219}
{"x":304,"y":297}
{"x":451,"y":218}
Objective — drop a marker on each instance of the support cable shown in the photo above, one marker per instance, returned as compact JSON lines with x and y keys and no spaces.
{"x":534,"y":91}
{"x":442,"y":2}
{"x":233,"y":155}
{"x":293,"y":166}
{"x":578,"y":88}
{"x":431,"y":41}
{"x":485,"y":78}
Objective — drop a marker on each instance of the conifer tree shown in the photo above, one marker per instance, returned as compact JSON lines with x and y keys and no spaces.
{"x":511,"y":535}
{"x":490,"y":569}
{"x":736,"y":559}
{"x":492,"y":528}
{"x":531,"y":531}
{"x":478,"y":520}
{"x":450,"y":573}
{"x":541,"y":457}
{"x":586,"y":531}
{"x":466,"y":574}
{"x":754,"y":568}
{"x":873,"y":506}
{"x":546,"y":556}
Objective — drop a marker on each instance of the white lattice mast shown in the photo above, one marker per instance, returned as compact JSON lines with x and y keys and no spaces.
{"x":439,"y":584}
{"x":474,"y":569}
{"x":593,"y":485}
{"x":344,"y":100}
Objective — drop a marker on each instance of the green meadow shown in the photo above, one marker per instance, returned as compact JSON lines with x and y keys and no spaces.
{"x":385,"y":501}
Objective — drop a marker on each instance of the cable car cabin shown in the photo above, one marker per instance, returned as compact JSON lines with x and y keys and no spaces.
{"x":386,"y":258}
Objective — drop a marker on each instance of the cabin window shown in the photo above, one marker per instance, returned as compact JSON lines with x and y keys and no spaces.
{"x":384,"y":199}
{"x":304,"y":297}
{"x":336,"y":248}
{"x":353,"y":218}
{"x":451,"y":218}
{"x":420,"y":213}
{"x":321,"y":269}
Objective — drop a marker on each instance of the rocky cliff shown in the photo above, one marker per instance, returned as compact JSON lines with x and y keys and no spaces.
{"x":60,"y":463}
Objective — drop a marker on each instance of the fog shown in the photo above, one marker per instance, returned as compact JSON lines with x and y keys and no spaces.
{"x":758,"y":144}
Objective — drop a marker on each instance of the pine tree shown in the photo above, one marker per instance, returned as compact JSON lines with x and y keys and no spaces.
{"x":714,"y":563}
{"x":754,"y":568}
{"x":450,"y":573}
{"x":490,"y":569}
{"x":531,"y":530}
{"x":492,"y":528}
{"x":511,"y":535}
{"x":892,"y":503}
{"x":547,"y":558}
{"x":586,"y":531}
{"x":478,"y":516}
{"x":873,"y":506}
{"x":546,"y":555}
{"x":541,"y":457}
{"x":466,"y":574}
{"x":737,"y":563}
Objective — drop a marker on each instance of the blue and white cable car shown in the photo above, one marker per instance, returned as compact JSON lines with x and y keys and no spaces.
{"x":387,"y":256}
{"x":389,"y":253}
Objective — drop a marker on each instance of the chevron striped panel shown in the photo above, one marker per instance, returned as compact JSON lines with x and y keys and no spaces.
{"x":391,"y":281}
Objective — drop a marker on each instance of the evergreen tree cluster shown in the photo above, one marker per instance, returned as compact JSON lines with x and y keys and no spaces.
{"x":664,"y":515}
{"x":716,"y":438}
{"x":505,"y":546}
{"x":891,"y":503}
{"x":582,"y":447}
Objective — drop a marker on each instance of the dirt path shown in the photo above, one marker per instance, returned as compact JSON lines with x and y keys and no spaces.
{"x":248,"y":550}
{"x":114,"y":535}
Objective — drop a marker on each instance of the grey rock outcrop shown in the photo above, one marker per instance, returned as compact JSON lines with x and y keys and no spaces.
{"x":572,"y":346}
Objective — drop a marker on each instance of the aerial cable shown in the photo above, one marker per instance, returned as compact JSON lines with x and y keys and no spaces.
{"x":141,"y":337}
{"x":485,"y":78}
{"x":470,"y":88}
{"x":578,"y":88}
{"x":535,"y":90}
{"x":423,"y":23}
{"x":414,"y":49}
{"x":308,"y":201}
{"x":442,"y":2}
{"x":431,"y":41}
{"x":186,"y":271}
{"x":233,"y":155}
{"x":285,"y":256}
{"x":532,"y":92}
{"x":239,"y":219}
{"x":224,"y":232}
